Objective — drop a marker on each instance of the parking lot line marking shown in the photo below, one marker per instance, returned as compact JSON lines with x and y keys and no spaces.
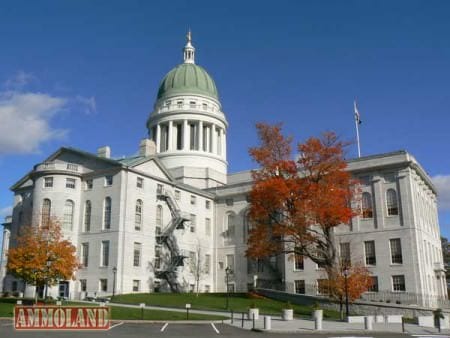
{"x":215,"y":328}
{"x":164,"y":327}
{"x":115,"y":325}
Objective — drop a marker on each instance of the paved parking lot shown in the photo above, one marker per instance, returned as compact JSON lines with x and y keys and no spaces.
{"x":180,"y":330}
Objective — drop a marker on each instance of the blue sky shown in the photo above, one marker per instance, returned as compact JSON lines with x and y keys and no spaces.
{"x":85,"y":74}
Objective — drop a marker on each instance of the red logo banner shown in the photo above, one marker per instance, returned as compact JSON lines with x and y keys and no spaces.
{"x":61,"y":318}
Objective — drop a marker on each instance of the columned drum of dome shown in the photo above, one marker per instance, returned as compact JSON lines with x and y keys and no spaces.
{"x":188,"y":125}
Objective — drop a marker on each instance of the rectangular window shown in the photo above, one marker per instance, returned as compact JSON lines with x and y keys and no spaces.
{"x":345,"y":254}
{"x":103,"y":285}
{"x":137,"y":254}
{"x":374,"y":286}
{"x":105,"y":253}
{"x":136,"y":285}
{"x":72,"y":166}
{"x":205,"y":138}
{"x":300,"y":287}
{"x":177,"y":195}
{"x":398,"y":283}
{"x":48,"y":182}
{"x":299,"y":262}
{"x":208,"y":204}
{"x":140,"y":182}
{"x":192,"y":260}
{"x":193,"y":200}
{"x":322,"y":287}
{"x":204,"y":106}
{"x":192,"y":104}
{"x":230,"y":262}
{"x":108,"y":180}
{"x":229,"y":202}
{"x":207,"y":288}
{"x":159,"y":189}
{"x":89,"y":184}
{"x":85,"y":254}
{"x":193,"y":222}
{"x":193,"y":136}
{"x":83,"y":285}
{"x":179,"y":104}
{"x":369,"y":252}
{"x":179,"y":130}
{"x":207,"y":264}
{"x":157,"y":257}
{"x":208,"y":226}
{"x":396,"y":251}
{"x":70,"y":183}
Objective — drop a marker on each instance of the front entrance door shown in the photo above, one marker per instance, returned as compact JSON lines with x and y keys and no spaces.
{"x":63,"y":291}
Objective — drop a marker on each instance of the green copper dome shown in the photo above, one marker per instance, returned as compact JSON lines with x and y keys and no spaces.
{"x":187,"y":78}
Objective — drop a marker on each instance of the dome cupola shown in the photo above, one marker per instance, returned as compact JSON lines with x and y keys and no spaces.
{"x":188,"y":78}
{"x":188,"y":126}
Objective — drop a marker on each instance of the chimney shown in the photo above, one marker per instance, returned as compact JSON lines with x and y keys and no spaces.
{"x":104,"y":152}
{"x":147,"y":147}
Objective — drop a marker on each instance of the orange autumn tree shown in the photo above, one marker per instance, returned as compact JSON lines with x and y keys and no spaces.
{"x":295,"y":205}
{"x":359,"y":280}
{"x":42,"y":257}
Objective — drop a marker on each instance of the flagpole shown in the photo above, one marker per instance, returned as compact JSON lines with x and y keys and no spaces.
{"x":357,"y":122}
{"x":357,"y":137}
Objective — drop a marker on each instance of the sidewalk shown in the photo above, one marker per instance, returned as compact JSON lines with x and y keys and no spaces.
{"x":298,"y":325}
{"x":306,"y":325}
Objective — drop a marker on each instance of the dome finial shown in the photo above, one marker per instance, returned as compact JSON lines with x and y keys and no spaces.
{"x":189,"y":36}
{"x":189,"y":50}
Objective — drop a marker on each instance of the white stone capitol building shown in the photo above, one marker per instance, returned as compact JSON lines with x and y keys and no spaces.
{"x":149,"y":222}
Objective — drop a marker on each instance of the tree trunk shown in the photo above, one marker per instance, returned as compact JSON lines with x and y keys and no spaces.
{"x":341,"y":309}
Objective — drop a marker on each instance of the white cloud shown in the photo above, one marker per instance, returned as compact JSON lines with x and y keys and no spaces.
{"x":87,"y":104}
{"x":24,"y":120}
{"x":442,"y":183}
{"x":18,"y":81}
{"x":6,"y":211}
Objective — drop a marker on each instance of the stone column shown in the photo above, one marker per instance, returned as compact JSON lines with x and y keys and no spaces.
{"x":185,"y":135}
{"x":404,"y":195}
{"x":214,"y":139}
{"x":158,"y":138}
{"x":170,"y":140}
{"x":219,"y":142}
{"x":379,"y":201}
{"x":200,"y":135}
{"x":208,"y":138}
{"x":3,"y":258}
{"x":224,"y":145}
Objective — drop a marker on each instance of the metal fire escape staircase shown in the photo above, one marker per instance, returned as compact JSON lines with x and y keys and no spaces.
{"x":168,"y":271}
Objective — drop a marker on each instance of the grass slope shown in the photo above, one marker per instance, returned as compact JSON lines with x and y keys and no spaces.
{"x":7,"y":310}
{"x":238,"y":302}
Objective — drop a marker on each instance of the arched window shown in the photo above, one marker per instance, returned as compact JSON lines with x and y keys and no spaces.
{"x":46,"y":209}
{"x":391,"y":202}
{"x":68,"y":215}
{"x":230,"y":228}
{"x":159,"y":217}
{"x":87,"y":216}
{"x":367,"y":207}
{"x":138,"y":215}
{"x":107,"y":214}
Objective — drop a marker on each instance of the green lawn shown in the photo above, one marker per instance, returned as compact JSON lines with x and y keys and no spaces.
{"x":239,"y":302}
{"x":7,"y":308}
